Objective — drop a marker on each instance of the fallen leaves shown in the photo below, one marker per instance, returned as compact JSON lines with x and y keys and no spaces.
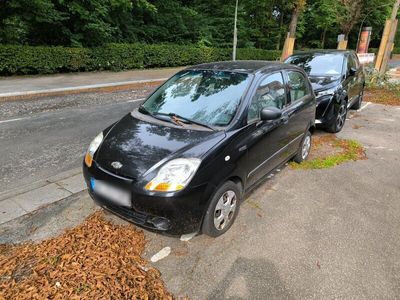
{"x":382,"y":96}
{"x":95,"y":260}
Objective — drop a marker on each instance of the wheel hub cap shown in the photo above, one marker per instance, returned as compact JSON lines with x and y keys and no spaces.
{"x":225,"y":210}
{"x":341,"y":117}
{"x":306,"y":147}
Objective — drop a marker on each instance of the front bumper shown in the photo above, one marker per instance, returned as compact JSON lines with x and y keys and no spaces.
{"x":172,"y":213}
{"x":324,"y":110}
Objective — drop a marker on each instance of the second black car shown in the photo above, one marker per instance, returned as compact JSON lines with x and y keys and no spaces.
{"x":338,"y":82}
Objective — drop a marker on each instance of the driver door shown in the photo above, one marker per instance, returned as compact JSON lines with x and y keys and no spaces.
{"x":264,"y":139}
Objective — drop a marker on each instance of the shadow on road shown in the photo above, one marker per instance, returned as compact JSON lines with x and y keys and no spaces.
{"x":251,"y":279}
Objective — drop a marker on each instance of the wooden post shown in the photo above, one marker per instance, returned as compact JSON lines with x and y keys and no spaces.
{"x":387,"y":41}
{"x":382,"y":46}
{"x":342,"y":45}
{"x":389,"y":47}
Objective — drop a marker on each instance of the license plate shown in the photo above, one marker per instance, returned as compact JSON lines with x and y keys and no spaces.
{"x":112,"y":193}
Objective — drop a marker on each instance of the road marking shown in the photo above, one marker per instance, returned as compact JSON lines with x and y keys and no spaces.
{"x":365,"y":105}
{"x":12,"y":120}
{"x":135,"y":100}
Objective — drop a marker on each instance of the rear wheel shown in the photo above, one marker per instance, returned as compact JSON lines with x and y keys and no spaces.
{"x":337,"y":122}
{"x":357,"y":105}
{"x":304,"y":149}
{"x":222,"y":210}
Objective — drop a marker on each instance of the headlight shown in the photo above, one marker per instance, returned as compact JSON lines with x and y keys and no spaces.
{"x":326,"y":92}
{"x":175,"y":175}
{"x":94,"y":145}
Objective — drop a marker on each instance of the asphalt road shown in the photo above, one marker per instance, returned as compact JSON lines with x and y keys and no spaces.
{"x":42,"y":138}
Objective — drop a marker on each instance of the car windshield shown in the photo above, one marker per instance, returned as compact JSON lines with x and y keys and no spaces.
{"x":319,"y":64}
{"x":206,"y":96}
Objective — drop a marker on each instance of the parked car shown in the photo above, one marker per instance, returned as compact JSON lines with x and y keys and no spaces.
{"x":183,"y":160}
{"x":338,"y":81}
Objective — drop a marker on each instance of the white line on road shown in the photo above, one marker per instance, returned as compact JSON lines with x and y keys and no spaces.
{"x":12,"y":120}
{"x":135,"y":100}
{"x":365,"y":105}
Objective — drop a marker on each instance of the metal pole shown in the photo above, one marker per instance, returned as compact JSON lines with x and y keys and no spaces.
{"x":235,"y":33}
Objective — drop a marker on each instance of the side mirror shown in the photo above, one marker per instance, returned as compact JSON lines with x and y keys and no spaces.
{"x":270,"y":113}
{"x":352,"y":71}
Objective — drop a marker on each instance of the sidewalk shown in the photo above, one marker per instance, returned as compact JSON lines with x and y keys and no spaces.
{"x":21,"y":201}
{"x":25,"y":87}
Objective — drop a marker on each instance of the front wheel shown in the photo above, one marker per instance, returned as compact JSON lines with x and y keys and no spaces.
{"x":222,"y":210}
{"x":337,"y":122}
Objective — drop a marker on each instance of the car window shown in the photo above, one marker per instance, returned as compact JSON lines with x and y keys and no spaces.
{"x":350,"y":63}
{"x":270,"y":93}
{"x":298,"y":86}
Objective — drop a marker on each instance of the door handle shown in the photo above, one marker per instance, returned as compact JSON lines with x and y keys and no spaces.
{"x":285,"y":119}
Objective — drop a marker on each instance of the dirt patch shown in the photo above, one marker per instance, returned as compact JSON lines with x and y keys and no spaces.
{"x":382,"y":96}
{"x":355,"y":126}
{"x":328,"y":151}
{"x":96,"y":260}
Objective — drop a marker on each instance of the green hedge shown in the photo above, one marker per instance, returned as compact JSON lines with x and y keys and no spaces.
{"x":45,"y":60}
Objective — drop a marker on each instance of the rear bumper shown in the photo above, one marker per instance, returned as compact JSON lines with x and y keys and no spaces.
{"x":172,"y":213}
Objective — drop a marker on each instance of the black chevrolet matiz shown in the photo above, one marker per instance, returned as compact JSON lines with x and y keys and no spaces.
{"x":182,"y":162}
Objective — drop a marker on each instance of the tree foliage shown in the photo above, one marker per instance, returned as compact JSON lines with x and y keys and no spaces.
{"x":261,"y":23}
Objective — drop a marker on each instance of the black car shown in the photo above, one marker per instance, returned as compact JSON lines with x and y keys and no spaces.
{"x":183,"y":160}
{"x":338,"y":81}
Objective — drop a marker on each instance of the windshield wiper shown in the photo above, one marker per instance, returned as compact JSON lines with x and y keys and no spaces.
{"x":174,"y":118}
{"x":155,"y":115}
{"x":192,"y":121}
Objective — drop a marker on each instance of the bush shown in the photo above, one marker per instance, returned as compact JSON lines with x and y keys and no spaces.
{"x":45,"y":60}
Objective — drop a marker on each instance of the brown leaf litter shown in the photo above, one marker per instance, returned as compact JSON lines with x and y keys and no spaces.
{"x":96,"y":260}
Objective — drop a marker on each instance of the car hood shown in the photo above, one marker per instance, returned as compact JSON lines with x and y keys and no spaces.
{"x":139,"y":144}
{"x":320,"y":83}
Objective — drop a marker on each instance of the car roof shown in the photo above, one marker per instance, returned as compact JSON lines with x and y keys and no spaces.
{"x":244,"y":66}
{"x":323,"y":51}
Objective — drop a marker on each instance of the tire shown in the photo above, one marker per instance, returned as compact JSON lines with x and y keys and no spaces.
{"x":304,"y":149}
{"x":337,"y":123}
{"x":357,"y":105}
{"x":218,"y":221}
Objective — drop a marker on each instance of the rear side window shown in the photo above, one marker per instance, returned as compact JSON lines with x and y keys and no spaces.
{"x":270,"y":93}
{"x":298,"y":85}
{"x":351,"y":63}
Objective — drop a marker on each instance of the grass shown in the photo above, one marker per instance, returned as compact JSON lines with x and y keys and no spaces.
{"x":330,"y":152}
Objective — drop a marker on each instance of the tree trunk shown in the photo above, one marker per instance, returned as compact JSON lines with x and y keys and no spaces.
{"x":323,"y":38}
{"x":293,"y":22}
